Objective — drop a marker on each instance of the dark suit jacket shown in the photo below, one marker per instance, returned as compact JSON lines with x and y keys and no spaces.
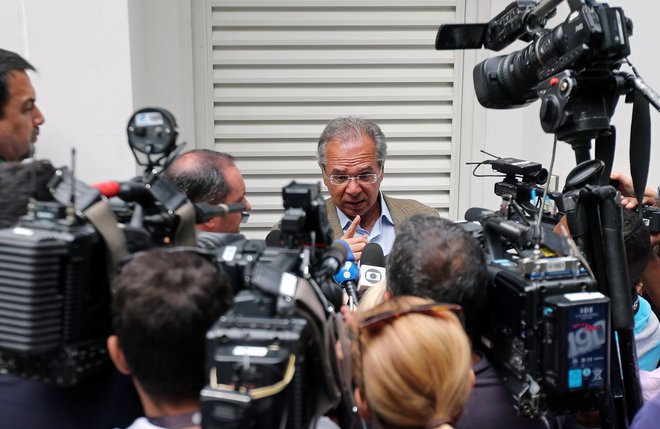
{"x":400,"y":210}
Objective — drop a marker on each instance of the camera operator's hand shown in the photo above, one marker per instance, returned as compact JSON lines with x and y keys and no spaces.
{"x":628,"y":191}
{"x":356,"y":243}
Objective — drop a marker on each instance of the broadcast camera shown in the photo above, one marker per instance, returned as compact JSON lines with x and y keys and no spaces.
{"x":59,"y":260}
{"x":548,"y":329}
{"x":271,"y":357}
{"x":555,"y":305}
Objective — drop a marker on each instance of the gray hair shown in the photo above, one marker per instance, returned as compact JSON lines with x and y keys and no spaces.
{"x":351,"y":127}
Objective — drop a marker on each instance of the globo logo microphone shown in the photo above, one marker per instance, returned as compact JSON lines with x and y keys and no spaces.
{"x":372,"y":275}
{"x":372,"y":267}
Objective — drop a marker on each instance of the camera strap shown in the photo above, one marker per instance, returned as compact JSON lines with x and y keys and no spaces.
{"x":640,"y":143}
{"x":604,"y":150}
{"x":185,"y":231}
{"x":331,"y":329}
{"x":101,"y":217}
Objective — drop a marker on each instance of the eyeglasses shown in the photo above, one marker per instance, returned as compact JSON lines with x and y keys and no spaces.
{"x":344,"y":179}
{"x":379,"y":320}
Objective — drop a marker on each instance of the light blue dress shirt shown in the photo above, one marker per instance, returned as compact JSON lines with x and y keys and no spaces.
{"x":383,"y":231}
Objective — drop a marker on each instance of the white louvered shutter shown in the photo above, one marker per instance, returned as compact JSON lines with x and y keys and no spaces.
{"x":278,"y":71}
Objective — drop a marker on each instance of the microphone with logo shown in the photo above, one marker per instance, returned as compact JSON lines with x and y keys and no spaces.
{"x":347,"y":277}
{"x":372,"y":268}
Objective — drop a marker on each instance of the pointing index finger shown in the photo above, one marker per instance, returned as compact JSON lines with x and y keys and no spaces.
{"x":350,"y":232}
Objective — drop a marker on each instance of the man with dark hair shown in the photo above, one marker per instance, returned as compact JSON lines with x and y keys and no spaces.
{"x":20,"y":117}
{"x":210,"y":177}
{"x":351,"y":153}
{"x":435,"y":258}
{"x":647,"y":327}
{"x":163,"y":303}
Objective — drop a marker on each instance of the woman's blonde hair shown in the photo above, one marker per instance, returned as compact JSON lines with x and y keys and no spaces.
{"x":412,"y":368}
{"x":372,"y":297}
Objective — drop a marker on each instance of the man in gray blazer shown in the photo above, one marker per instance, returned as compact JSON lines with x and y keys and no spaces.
{"x":351,"y":153}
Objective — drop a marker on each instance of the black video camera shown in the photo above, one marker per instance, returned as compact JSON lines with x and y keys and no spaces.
{"x":270,"y":359}
{"x":594,"y":37}
{"x":58,"y":260}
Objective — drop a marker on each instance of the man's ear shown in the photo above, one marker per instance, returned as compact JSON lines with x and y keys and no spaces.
{"x":117,"y":355}
{"x":361,"y":404}
{"x":326,"y":181}
{"x":210,"y":224}
{"x":387,"y":295}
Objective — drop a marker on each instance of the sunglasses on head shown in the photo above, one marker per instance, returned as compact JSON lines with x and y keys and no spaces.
{"x":378,"y":320}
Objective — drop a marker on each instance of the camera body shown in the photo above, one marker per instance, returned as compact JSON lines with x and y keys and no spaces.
{"x":548,"y":334}
{"x":651,"y":218}
{"x":594,"y":37}
{"x":54,"y":307}
{"x":270,"y":359}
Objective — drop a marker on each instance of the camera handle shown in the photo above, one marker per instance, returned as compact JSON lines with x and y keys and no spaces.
{"x":577,"y":107}
{"x":603,"y":246}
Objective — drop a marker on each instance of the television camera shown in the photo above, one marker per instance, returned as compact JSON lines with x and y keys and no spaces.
{"x":274,"y":348}
{"x":547,"y":295}
{"x":271,"y":358}
{"x":61,"y":257}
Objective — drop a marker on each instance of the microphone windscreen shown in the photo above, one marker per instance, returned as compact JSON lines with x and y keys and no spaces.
{"x":349,"y":253}
{"x":373,"y":255}
{"x":475,"y":214}
{"x":273,"y":238}
{"x":338,"y":251}
{"x":109,"y":189}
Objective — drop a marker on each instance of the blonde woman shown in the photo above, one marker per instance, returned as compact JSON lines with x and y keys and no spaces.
{"x":411,"y":364}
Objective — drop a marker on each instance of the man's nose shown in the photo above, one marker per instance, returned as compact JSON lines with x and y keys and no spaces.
{"x":353,"y":186}
{"x":38,"y":117}
{"x":248,"y":206}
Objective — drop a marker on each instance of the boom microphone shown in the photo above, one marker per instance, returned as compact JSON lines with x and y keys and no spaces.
{"x":350,"y":256}
{"x":127,"y":191}
{"x":332,"y":260}
{"x":372,"y":268}
{"x":494,"y":221}
{"x":204,"y":212}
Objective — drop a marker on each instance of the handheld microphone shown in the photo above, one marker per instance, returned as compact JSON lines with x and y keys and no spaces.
{"x":347,"y":277}
{"x":372,"y":268}
{"x":332,"y":260}
{"x":204,"y":212}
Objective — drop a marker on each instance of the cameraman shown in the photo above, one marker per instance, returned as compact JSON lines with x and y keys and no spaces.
{"x":20,"y":117}
{"x":651,"y":275}
{"x":435,"y":258}
{"x":105,"y":399}
{"x":207,"y":176}
{"x":163,"y":303}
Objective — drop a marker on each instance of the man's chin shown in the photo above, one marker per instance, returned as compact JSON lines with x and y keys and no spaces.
{"x":353,"y":210}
